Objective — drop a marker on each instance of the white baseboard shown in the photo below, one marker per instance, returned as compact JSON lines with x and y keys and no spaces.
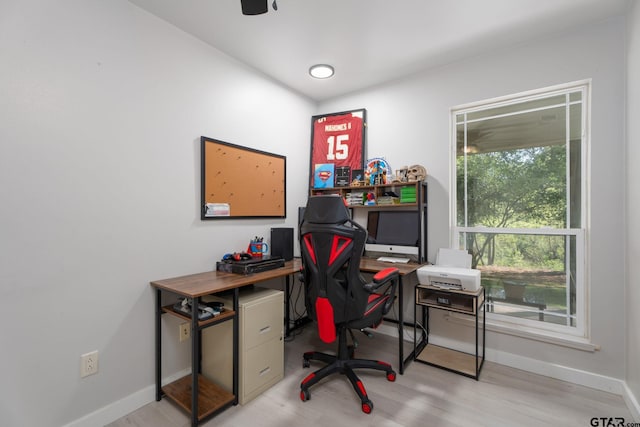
{"x":124,"y":406}
{"x":564,"y":373}
{"x":575,"y":376}
{"x":632,"y":403}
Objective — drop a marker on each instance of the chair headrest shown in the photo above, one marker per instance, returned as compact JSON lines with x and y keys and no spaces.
{"x":326,"y":209}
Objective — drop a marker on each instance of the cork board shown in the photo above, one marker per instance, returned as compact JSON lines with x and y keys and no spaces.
{"x":240,"y":182}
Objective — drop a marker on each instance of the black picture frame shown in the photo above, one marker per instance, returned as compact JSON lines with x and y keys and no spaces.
{"x":338,"y":140}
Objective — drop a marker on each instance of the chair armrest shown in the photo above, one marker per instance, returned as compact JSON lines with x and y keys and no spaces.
{"x":389,"y":278}
{"x":381,"y":278}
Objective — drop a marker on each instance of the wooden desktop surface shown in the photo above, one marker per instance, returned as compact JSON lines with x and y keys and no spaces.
{"x":210,"y":282}
{"x":372,"y":265}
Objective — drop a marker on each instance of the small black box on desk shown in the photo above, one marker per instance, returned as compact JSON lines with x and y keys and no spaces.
{"x":248,"y":266}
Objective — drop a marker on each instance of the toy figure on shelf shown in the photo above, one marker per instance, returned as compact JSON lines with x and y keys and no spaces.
{"x":375,"y":175}
{"x":377,"y":172}
{"x":370,"y":199}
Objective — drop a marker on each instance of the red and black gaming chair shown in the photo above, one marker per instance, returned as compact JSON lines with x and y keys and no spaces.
{"x":336,"y":295}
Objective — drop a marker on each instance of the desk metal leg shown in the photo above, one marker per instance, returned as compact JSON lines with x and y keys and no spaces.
{"x":400,"y":326}
{"x":158,"y":345}
{"x":477,"y":364}
{"x":402,"y":361}
{"x":419,"y":345}
{"x":236,"y":344}
{"x":287,"y":313}
{"x":484,"y":330}
{"x":195,"y":361}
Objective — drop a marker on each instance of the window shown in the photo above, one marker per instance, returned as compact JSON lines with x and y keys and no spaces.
{"x":519,"y":205}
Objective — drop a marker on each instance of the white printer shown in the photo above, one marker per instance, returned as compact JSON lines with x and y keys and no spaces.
{"x":452,"y":271}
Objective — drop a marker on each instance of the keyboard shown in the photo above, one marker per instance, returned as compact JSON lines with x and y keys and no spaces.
{"x":393,"y":259}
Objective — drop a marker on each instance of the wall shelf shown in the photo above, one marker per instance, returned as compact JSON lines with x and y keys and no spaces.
{"x":378,"y":191}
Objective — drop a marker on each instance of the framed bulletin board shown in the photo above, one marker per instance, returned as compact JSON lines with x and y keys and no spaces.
{"x":337,"y":148}
{"x":240,"y":182}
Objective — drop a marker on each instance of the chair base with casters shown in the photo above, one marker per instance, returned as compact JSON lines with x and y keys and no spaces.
{"x":342,"y":363}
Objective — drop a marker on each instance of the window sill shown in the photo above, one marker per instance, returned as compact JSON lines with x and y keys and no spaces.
{"x":549,"y":337}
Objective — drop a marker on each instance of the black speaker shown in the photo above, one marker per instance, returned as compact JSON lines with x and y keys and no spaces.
{"x":253,"y":7}
{"x":282,"y":243}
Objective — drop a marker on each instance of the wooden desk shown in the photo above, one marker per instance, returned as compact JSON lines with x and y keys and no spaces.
{"x":210,"y":398}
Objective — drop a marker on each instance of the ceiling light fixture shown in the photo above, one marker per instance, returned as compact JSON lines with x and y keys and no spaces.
{"x":321,"y":71}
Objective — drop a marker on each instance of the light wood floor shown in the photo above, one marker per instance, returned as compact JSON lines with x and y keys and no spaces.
{"x":423,"y":396}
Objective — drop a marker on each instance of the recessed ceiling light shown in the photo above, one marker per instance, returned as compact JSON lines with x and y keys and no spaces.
{"x":321,"y":71}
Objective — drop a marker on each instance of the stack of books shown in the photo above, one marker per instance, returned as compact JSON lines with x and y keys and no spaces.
{"x":408,"y":194}
{"x":388,"y":200}
{"x":354,"y":198}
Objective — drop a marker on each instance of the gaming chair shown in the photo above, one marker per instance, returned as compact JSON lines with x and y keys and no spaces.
{"x":337,"y":297}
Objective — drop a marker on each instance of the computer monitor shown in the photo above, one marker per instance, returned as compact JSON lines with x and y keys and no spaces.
{"x":393,"y":232}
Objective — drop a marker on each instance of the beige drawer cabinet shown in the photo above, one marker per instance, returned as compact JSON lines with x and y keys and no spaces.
{"x":261,"y":344}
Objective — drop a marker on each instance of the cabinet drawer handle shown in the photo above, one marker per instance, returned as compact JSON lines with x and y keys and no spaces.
{"x":265,"y":370}
{"x":265,"y":329}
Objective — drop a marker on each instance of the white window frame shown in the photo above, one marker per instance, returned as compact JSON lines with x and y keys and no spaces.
{"x":577,"y":336}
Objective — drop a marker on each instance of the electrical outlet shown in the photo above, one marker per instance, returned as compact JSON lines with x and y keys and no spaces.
{"x":89,"y":364}
{"x":185,"y":331}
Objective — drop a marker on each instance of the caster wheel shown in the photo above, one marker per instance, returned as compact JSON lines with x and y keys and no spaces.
{"x":305,"y":395}
{"x":305,"y":363}
{"x":367,"y":407}
{"x":391,"y":376}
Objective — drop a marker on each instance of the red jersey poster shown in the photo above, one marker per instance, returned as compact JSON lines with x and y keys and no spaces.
{"x":337,"y":140}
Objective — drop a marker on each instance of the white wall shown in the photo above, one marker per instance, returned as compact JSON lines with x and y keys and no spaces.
{"x":408,"y":122}
{"x":101,"y":110}
{"x":632,"y":295}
